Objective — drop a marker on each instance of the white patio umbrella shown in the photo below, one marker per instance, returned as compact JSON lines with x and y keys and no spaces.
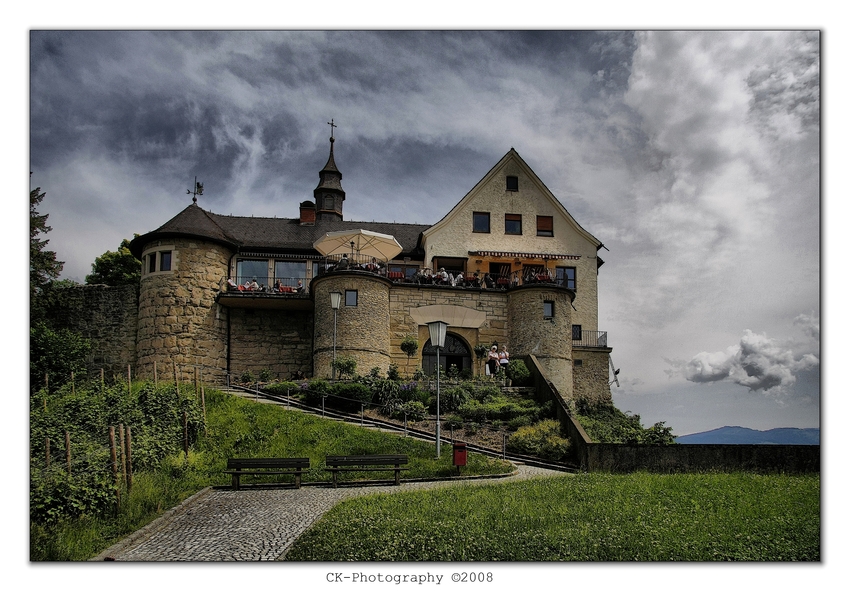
{"x":366,"y":243}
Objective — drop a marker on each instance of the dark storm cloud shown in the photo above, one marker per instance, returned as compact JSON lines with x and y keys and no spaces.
{"x":689,"y":154}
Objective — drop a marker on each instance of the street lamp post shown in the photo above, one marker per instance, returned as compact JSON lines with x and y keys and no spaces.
{"x":336,"y":298}
{"x":437,"y":330}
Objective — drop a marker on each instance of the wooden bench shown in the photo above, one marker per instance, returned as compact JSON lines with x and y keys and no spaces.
{"x":376,"y":463}
{"x":238,"y":467}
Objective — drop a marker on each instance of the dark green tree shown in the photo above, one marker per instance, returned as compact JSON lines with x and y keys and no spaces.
{"x":116,"y":268}
{"x":44,"y":268}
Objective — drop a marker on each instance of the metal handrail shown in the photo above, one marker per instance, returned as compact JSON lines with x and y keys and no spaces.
{"x":267,"y":285}
{"x":591,"y":338}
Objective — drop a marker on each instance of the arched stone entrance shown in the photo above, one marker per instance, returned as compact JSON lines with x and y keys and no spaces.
{"x":456,"y":352}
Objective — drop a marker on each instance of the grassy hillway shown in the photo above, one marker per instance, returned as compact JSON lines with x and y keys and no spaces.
{"x":587,"y":517}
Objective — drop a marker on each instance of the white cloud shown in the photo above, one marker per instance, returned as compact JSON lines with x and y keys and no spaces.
{"x":757,"y":362}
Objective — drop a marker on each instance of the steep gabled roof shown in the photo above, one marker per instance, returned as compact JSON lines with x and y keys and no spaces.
{"x":514,"y":155}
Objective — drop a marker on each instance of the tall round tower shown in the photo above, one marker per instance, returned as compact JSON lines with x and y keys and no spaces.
{"x":541,"y":324}
{"x":362,"y":321}
{"x":179,"y":321}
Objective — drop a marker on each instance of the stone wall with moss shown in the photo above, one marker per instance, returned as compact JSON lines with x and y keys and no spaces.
{"x":107,"y":316}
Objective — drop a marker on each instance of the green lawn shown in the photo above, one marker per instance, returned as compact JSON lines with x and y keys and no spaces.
{"x":584,"y":517}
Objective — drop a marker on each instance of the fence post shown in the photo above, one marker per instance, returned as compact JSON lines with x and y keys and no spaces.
{"x":113,"y":457}
{"x":129,"y":458}
{"x":155,"y":382}
{"x":176,"y":383}
{"x":504,"y":446}
{"x":186,"y":434}
{"x":196,"y":382}
{"x":129,"y":381}
{"x":362,"y":413}
{"x":122,"y":442}
{"x":68,"y":451}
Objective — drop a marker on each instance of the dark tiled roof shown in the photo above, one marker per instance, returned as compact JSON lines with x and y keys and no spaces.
{"x":270,"y":234}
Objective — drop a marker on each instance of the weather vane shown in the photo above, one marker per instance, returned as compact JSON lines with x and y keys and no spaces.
{"x":199,"y":190}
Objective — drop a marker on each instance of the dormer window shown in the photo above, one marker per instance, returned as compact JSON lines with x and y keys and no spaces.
{"x":511,"y":183}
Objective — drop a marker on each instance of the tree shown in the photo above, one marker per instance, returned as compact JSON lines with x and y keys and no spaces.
{"x":410,"y":346}
{"x":44,"y":267}
{"x":116,"y":268}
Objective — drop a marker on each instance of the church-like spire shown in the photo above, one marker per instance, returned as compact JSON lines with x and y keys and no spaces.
{"x":329,"y":194}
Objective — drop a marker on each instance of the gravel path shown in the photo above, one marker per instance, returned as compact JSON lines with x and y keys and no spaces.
{"x":219,"y":525}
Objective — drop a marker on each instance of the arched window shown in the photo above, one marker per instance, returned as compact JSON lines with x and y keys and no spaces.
{"x":455,"y":352}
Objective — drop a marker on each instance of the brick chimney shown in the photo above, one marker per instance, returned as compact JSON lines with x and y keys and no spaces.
{"x":308,"y":213}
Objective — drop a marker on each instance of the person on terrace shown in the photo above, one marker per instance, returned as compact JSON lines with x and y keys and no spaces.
{"x":252,"y":285}
{"x":342,"y":264}
{"x":493,"y":360}
{"x":504,"y":357}
{"x":442,"y":276}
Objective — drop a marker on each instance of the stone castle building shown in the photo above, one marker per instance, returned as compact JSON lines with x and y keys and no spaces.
{"x":228,"y":294}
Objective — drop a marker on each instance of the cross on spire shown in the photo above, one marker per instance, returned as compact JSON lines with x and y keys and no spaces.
{"x":331,"y":123}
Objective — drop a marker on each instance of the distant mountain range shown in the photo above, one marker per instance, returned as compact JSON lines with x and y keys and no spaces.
{"x":743,"y":435}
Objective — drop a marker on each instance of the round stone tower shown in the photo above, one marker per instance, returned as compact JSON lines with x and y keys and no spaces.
{"x":362,"y":323}
{"x":179,"y":320}
{"x":541,"y":324}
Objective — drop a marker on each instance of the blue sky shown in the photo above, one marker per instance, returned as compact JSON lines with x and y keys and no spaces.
{"x":692,"y":155}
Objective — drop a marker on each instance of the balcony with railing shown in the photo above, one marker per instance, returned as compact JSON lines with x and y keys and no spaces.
{"x":590,"y":338}
{"x":264,"y":292}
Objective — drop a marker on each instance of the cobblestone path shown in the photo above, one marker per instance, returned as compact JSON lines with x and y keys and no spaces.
{"x":218,"y":525}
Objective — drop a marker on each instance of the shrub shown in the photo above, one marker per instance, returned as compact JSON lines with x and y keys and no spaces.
{"x":452,"y":422}
{"x":265,"y":375}
{"x":605,"y":423}
{"x":473,"y":411}
{"x":518,"y":372}
{"x":55,"y":496}
{"x":317,"y":389}
{"x":451,"y":399}
{"x":542,"y":440}
{"x":283,"y":388}
{"x":521,"y":421}
{"x":392,"y":372}
{"x":56,"y":353}
{"x":350,"y":396}
{"x":414,"y":410}
{"x":246,"y":378}
{"x":345,"y":365}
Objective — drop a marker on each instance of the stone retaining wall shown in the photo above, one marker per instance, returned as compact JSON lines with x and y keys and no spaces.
{"x":276,"y":340}
{"x":107,"y":316}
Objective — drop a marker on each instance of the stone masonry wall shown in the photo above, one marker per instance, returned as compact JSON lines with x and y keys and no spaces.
{"x":276,"y":340}
{"x":179,"y":320}
{"x":590,"y":378}
{"x":404,"y":298}
{"x":549,"y":340}
{"x":363,"y":331}
{"x":108,"y":317}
